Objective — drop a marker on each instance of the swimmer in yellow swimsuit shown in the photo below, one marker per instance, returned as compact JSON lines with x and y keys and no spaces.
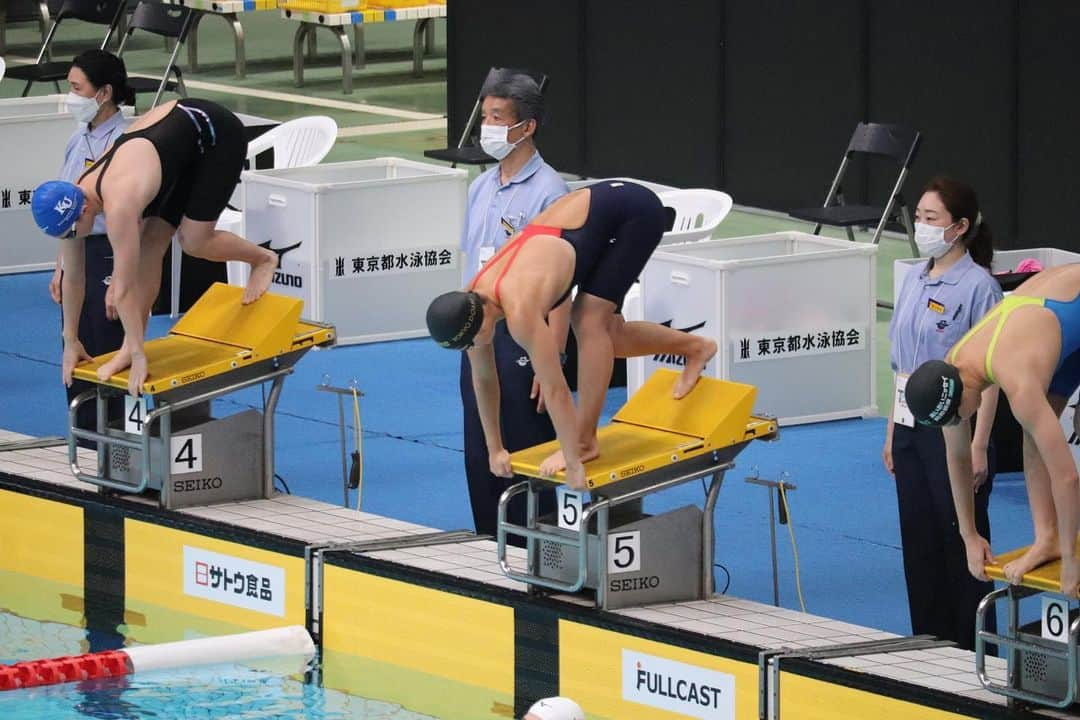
{"x":1029,"y":345}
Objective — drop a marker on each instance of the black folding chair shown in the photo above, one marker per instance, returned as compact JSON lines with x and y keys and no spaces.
{"x":875,"y":140}
{"x":468,"y":150}
{"x":99,"y":12}
{"x":171,"y":22}
{"x":15,"y":11}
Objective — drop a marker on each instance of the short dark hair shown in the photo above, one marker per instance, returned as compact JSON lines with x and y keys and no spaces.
{"x":103,"y":68}
{"x":519,"y":89}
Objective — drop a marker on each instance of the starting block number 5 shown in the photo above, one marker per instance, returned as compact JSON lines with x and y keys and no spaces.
{"x":185,"y":454}
{"x":1055,"y":619}
{"x":569,"y":509}
{"x":134,"y":412}
{"x":624,"y":552}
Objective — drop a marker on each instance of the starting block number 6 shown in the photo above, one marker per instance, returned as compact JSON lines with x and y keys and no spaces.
{"x":134,"y":412}
{"x":185,"y":454}
{"x":569,"y":509}
{"x":624,"y":552}
{"x":1055,"y":619}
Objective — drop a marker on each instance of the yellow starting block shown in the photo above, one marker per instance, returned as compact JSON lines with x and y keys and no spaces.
{"x":1042,"y":656}
{"x":220,"y":346}
{"x":654,"y":442}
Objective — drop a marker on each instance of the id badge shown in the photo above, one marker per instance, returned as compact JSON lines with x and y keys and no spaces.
{"x":486,"y":253}
{"x":902,"y":415}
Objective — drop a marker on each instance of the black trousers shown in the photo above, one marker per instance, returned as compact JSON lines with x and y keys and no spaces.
{"x":97,"y":333}
{"x":942,"y":594}
{"x":522,"y":427}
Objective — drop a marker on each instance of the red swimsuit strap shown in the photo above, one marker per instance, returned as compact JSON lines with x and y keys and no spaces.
{"x":513,"y":248}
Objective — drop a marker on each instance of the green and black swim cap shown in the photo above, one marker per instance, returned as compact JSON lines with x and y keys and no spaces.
{"x":454,"y":318}
{"x":933,"y":393}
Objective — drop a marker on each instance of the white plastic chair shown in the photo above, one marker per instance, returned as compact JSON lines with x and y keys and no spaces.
{"x":697,"y":213}
{"x":297,"y":143}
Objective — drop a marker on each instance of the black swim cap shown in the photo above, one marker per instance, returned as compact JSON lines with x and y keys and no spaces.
{"x":454,"y":318}
{"x":933,"y":393}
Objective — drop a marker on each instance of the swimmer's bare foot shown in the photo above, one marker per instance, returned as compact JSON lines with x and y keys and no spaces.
{"x":557,"y":463}
{"x":261,"y":277}
{"x":695,"y":365}
{"x":1040,"y":553}
{"x":119,"y":362}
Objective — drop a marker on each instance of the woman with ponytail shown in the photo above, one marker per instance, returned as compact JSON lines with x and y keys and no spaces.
{"x":938,"y":302}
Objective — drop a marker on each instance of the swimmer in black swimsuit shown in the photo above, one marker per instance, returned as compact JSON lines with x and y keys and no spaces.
{"x":597,"y":239}
{"x":173,"y":170}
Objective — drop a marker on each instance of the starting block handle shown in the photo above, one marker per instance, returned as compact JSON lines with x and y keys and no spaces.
{"x":1014,"y":643}
{"x":163,"y":415}
{"x":75,"y":434}
{"x":580,"y":543}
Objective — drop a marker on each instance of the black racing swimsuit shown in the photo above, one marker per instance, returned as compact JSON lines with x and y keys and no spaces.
{"x":201,"y":147}
{"x":623,"y":228}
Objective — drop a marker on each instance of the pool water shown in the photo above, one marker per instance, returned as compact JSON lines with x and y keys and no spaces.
{"x":222,"y":691}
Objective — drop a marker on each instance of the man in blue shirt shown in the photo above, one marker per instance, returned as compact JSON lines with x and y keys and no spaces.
{"x":98,"y":87}
{"x":501,"y":202}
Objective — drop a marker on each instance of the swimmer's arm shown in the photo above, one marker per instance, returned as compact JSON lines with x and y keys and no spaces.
{"x":538,"y":340}
{"x":73,"y":285}
{"x":1035,"y":415}
{"x":123,"y":226}
{"x":984,"y":419}
{"x":485,"y":380}
{"x":984,"y":423}
{"x":961,"y":477}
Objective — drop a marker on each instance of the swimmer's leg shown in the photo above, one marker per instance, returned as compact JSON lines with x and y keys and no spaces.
{"x":638,"y":338}
{"x":1045,"y":548}
{"x":201,"y":239}
{"x":155,"y":236}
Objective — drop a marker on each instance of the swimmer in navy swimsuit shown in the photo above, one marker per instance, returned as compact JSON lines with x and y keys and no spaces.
{"x":1029,"y":345}
{"x":598,"y":240}
{"x":172,"y":171}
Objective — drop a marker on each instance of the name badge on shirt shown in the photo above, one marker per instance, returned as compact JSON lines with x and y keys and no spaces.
{"x":87,"y":162}
{"x":902,"y":414}
{"x":934,"y":305}
{"x":486,"y":253}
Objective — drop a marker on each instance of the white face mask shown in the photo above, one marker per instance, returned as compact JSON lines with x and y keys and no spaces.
{"x":84,"y":109}
{"x":931,"y":240}
{"x":493,"y":140}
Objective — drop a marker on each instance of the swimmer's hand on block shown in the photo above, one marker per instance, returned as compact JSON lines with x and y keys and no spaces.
{"x":653,"y":430}
{"x":1031,"y":567}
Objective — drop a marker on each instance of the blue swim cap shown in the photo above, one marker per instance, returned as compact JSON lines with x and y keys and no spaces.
{"x":56,"y":206}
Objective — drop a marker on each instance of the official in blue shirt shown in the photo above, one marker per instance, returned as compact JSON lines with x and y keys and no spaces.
{"x":98,"y":87}
{"x":501,"y":202}
{"x":938,"y":302}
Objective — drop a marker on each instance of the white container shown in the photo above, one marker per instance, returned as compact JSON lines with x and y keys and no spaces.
{"x":33,"y":134}
{"x":1003,"y":262}
{"x":767,"y":300}
{"x":366,"y":245}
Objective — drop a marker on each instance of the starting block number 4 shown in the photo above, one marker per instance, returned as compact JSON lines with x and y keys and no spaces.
{"x":624,"y":552}
{"x":134,"y":412}
{"x":569,"y":509}
{"x":185,"y":454}
{"x":1055,"y":619}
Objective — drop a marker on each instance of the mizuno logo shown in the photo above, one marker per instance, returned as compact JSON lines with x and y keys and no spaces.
{"x":279,"y":251}
{"x":692,"y":328}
